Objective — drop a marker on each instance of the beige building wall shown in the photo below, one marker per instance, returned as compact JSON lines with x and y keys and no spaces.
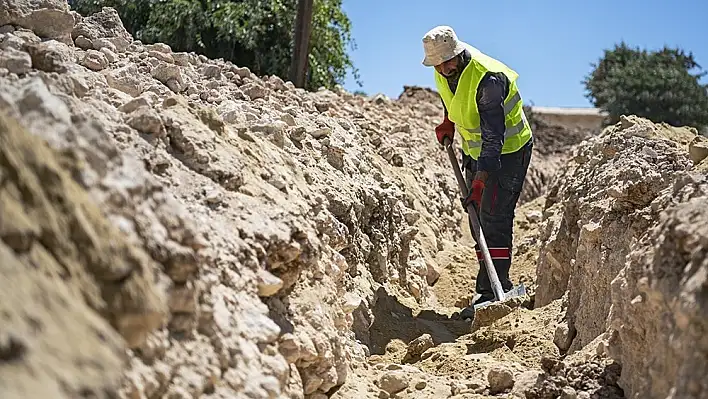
{"x":571,"y":118}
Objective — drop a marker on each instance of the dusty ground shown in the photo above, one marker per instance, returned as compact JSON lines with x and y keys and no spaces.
{"x":460,"y":354}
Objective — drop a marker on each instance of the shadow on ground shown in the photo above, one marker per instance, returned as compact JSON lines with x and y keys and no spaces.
{"x":393,"y":320}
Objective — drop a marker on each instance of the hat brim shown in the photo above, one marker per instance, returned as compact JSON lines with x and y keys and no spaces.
{"x":433,"y":61}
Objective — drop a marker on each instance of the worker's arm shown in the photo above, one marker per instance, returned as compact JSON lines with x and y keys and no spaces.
{"x":491,"y":92}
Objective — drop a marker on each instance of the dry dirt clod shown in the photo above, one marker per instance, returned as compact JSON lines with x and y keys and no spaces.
{"x":500,"y":379}
{"x":268,"y":284}
{"x":394,"y":381}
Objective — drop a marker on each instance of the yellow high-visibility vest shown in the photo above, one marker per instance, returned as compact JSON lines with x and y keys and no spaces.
{"x":462,"y":106}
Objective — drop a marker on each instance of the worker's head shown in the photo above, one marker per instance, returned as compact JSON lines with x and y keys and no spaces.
{"x":442,"y":49}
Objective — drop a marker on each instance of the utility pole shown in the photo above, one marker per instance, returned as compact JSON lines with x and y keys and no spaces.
{"x":303,"y":28}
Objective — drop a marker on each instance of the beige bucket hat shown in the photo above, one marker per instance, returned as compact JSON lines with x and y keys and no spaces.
{"x":441,"y":44}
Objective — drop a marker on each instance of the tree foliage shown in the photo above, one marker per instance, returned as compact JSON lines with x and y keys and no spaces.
{"x":657,"y":85}
{"x":257,"y":34}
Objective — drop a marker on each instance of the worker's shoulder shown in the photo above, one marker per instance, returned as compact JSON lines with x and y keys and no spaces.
{"x":494,"y":80}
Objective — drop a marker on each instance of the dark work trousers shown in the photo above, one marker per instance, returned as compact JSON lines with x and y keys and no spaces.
{"x":501,"y":193}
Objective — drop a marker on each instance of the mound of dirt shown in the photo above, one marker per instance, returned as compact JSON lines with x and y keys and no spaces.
{"x":622,"y":242}
{"x":270,"y":215}
{"x":72,"y":284}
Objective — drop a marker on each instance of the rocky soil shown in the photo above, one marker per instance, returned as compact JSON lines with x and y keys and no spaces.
{"x":174,"y":226}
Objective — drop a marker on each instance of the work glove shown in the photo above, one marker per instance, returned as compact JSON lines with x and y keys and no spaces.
{"x":445,"y":129}
{"x":475,"y":194}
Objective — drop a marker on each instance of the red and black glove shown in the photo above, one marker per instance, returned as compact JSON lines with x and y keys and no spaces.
{"x":445,"y":129}
{"x":475,"y":194}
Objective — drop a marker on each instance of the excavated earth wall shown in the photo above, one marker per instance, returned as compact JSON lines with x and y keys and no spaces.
{"x":268,"y":215}
{"x":625,"y":241}
{"x":174,"y":226}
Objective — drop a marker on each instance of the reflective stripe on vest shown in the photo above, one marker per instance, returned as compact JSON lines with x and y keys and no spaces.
{"x":510,"y":131}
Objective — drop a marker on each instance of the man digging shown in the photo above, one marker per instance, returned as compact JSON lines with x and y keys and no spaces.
{"x":482,"y":102}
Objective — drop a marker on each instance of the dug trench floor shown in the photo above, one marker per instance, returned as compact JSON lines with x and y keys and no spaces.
{"x":515,"y":337}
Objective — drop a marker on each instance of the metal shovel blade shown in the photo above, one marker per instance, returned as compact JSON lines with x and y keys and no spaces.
{"x":499,"y":294}
{"x":518,"y":291}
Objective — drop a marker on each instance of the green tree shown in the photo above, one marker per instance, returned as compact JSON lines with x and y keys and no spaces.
{"x":658,"y":85}
{"x":257,"y":34}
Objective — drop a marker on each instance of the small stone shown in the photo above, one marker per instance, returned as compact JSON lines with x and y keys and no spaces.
{"x":267,"y":127}
{"x":625,"y":122}
{"x":173,"y":101}
{"x":51,"y":56}
{"x":11,"y":41}
{"x":213,"y":197}
{"x":170,"y":75}
{"x":276,"y":82}
{"x":289,"y":347}
{"x":562,"y":337}
{"x":166,"y":57}
{"x":268,"y":284}
{"x":415,"y":290}
{"x":527,"y":381}
{"x":160,"y":47}
{"x":418,"y":346}
{"x":7,"y":29}
{"x":29,"y":37}
{"x":83,"y":42}
{"x":279,"y":183}
{"x":320,"y":133}
{"x":134,"y":104}
{"x":211,"y":71}
{"x":287,"y":118}
{"x":16,"y":61}
{"x":101,"y":43}
{"x":394,"y":381}
{"x":534,"y":216}
{"x":500,"y":379}
{"x":383,"y":395}
{"x":698,"y":149}
{"x":351,"y":302}
{"x":183,"y":297}
{"x":243,"y":72}
{"x":125,"y":79}
{"x":421,"y":385}
{"x":110,"y":55}
{"x":146,"y":120}
{"x":298,"y":134}
{"x":94,"y":60}
{"x":568,"y":393}
{"x":310,"y":383}
{"x":181,"y":59}
{"x":254,"y":90}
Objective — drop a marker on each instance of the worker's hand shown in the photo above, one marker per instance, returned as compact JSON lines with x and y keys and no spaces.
{"x":475,"y":195}
{"x":445,"y":129}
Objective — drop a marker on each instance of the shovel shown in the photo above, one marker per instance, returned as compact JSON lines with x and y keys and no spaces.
{"x":499,"y":294}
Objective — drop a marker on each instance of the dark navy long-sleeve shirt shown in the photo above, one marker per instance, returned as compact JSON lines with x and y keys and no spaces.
{"x":491,"y":92}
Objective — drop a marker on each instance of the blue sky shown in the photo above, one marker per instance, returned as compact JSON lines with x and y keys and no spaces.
{"x":550,"y":43}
